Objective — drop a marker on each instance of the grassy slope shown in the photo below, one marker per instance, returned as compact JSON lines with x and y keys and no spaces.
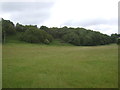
{"x":42,"y":66}
{"x":0,"y":65}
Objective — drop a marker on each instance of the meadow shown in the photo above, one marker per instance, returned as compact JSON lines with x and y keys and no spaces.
{"x":59,"y":66}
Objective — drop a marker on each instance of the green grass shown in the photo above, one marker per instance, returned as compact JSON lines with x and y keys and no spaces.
{"x":0,"y":66}
{"x":51,"y":66}
{"x":15,"y":39}
{"x":58,"y":42}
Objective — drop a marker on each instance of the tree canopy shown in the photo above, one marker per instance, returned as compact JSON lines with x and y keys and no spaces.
{"x":76,"y":36}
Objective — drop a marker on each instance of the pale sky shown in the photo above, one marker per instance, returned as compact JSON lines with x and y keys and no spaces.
{"x":98,"y":15}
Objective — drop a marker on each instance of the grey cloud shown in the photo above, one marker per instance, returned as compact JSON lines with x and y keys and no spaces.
{"x":28,"y":12}
{"x":28,"y":17}
{"x":98,"y":21}
{"x":22,"y":6}
{"x":90,"y":22}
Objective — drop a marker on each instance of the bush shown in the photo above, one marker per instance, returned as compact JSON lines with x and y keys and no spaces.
{"x":8,"y":27}
{"x":118,"y":41}
{"x":46,"y":41}
{"x":35,"y":35}
{"x":72,"y":38}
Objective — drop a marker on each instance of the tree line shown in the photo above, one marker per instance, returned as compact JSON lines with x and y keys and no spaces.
{"x":76,"y":36}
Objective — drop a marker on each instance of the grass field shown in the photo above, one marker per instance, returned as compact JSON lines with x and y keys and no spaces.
{"x":48,"y":66}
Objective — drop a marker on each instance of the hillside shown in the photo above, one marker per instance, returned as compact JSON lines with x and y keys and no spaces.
{"x":44,"y":35}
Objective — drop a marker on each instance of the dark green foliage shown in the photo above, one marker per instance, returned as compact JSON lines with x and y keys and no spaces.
{"x":72,"y":38}
{"x":48,"y":37}
{"x":44,"y":28}
{"x":34,"y":35}
{"x":20,"y":28}
{"x":8,"y":27}
{"x":46,"y":41}
{"x":118,"y":41}
{"x":114,"y":37}
{"x":81,"y":36}
{"x":87,"y":40}
{"x":76,"y":36}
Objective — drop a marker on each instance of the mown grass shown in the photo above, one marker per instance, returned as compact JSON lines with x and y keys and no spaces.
{"x":0,"y":66}
{"x":48,"y":66}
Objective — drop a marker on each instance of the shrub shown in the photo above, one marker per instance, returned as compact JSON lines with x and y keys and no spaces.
{"x":35,"y":35}
{"x":72,"y":38}
{"x":46,"y":41}
{"x":118,"y":41}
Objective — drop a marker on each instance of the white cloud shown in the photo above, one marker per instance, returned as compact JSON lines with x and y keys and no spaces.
{"x":98,"y":15}
{"x":104,"y":28}
{"x":80,"y":12}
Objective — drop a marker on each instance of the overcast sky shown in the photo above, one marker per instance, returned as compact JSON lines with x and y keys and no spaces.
{"x":98,"y":15}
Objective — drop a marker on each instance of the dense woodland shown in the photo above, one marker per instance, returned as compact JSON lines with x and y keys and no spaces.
{"x":76,"y":36}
